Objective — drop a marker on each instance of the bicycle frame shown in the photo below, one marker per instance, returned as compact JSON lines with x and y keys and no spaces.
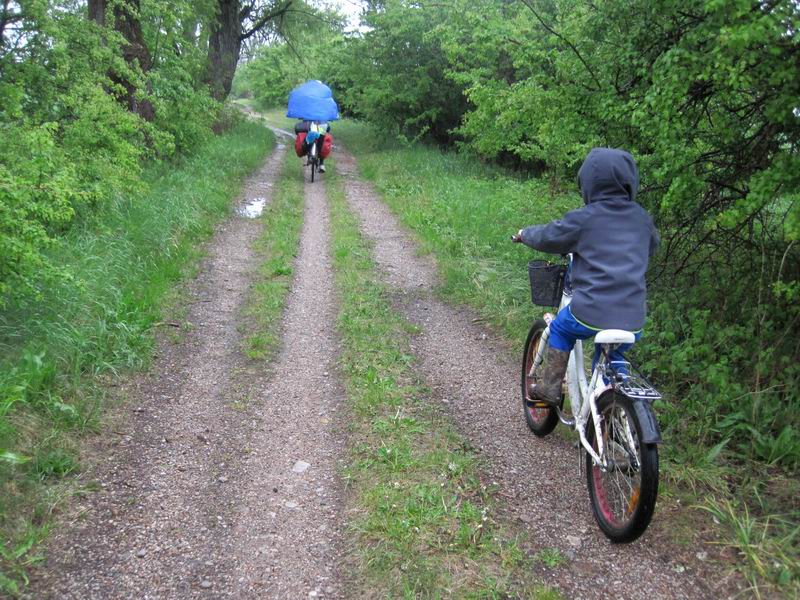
{"x":312,"y":148}
{"x":315,"y":133}
{"x":583,"y":394}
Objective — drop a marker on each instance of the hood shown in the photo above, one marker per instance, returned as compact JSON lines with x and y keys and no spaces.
{"x":608,"y":173}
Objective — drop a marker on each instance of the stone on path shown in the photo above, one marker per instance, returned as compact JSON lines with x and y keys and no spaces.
{"x":300,"y":466}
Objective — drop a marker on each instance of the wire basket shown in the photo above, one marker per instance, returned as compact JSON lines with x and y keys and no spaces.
{"x":547,"y":282}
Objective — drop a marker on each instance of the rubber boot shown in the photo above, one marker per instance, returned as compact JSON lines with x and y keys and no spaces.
{"x":548,"y":390}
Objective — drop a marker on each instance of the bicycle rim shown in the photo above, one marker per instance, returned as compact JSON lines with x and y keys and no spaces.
{"x":624,"y":494}
{"x":541,"y":420}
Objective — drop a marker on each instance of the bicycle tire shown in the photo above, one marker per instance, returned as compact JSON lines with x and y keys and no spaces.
{"x":313,"y":168}
{"x":541,"y":421}
{"x":623,"y":510}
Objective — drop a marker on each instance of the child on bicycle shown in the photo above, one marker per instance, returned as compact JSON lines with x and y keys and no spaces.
{"x":611,"y":239}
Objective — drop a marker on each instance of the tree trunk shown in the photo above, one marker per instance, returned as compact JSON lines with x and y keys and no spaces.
{"x":134,"y":51}
{"x":224,"y":45}
{"x":233,"y":25}
{"x":97,"y":11}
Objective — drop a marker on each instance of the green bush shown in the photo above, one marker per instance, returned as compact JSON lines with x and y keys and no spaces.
{"x":72,"y":144}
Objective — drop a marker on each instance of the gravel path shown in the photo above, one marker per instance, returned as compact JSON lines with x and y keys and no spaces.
{"x":289,"y":529}
{"x":476,"y":375}
{"x":201,"y":488}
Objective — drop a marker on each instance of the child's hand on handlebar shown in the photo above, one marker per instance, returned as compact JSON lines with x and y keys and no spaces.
{"x":517,"y":237}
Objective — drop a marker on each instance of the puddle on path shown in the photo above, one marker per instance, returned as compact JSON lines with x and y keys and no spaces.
{"x":252,"y":208}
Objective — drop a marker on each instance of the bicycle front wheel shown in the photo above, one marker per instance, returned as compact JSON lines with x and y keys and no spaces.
{"x":623,"y":495}
{"x":541,"y":420}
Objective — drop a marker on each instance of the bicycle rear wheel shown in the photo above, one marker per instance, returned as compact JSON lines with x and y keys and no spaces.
{"x":541,"y":420}
{"x":624,"y":495}
{"x":313,"y":168}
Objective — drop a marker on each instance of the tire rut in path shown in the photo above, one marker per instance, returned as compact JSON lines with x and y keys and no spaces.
{"x":158,"y":526}
{"x":474,"y":375}
{"x":290,"y":526}
{"x":170,"y":519}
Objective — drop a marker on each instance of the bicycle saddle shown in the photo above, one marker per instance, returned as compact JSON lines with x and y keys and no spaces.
{"x":614,"y":336}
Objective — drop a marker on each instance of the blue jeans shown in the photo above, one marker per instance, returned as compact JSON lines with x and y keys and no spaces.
{"x":565,"y":330}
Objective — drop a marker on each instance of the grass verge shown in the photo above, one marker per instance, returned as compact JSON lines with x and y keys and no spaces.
{"x":277,"y":248}
{"x":463,"y":212}
{"x":424,"y":520}
{"x":57,"y":351}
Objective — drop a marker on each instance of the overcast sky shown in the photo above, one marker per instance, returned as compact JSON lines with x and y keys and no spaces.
{"x":351,"y":8}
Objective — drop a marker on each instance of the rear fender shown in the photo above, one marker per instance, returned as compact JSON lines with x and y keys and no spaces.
{"x":651,"y":432}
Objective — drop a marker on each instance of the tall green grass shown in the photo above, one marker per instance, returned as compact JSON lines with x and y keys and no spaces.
{"x":123,"y":264}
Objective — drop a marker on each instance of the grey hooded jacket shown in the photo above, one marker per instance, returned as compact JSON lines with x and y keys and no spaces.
{"x":611,"y":238}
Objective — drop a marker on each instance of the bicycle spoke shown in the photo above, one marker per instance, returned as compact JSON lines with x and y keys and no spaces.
{"x":621,"y":484}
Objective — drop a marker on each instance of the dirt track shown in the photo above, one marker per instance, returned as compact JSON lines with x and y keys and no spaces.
{"x":222,"y":481}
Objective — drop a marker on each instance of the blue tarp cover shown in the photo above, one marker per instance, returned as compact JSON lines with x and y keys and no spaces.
{"x":312,"y":101}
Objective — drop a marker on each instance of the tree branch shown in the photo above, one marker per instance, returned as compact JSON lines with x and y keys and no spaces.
{"x":245,"y":11}
{"x":572,"y":47}
{"x":260,"y":23}
{"x":7,"y":19}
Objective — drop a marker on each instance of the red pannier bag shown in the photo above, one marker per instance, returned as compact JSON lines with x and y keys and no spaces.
{"x":299,"y":144}
{"x":327,"y":144}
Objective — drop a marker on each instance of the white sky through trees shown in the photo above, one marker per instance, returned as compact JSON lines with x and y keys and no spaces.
{"x":350,"y":8}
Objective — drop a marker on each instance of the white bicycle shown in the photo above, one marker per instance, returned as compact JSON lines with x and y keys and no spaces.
{"x":611,"y":411}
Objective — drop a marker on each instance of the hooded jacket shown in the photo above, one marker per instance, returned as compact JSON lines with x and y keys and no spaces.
{"x":611,"y":239}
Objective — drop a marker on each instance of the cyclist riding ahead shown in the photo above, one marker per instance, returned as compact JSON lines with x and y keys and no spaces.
{"x":611,"y":239}
{"x":315,"y":134}
{"x":312,"y":102}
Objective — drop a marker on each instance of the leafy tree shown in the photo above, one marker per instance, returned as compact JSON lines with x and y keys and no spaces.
{"x":69,"y":145}
{"x":303,"y":53}
{"x":705,"y":95}
{"x":177,"y":33}
{"x":394,"y":73}
{"x":234,"y":24}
